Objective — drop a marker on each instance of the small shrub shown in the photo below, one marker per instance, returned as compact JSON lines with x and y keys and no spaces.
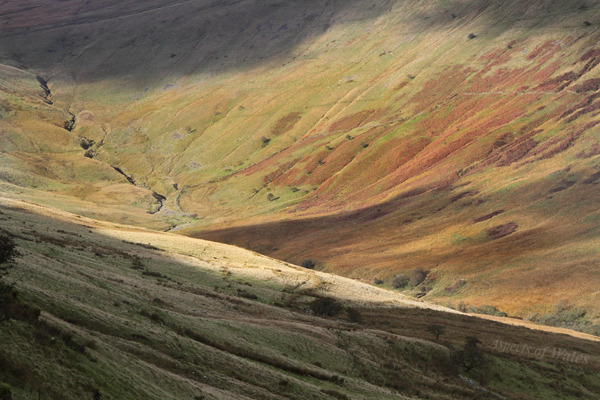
{"x":354,"y":315}
{"x":265,"y":141}
{"x":548,"y":319}
{"x":154,"y":274}
{"x":246,"y":295}
{"x":400,"y":281}
{"x":136,"y":263}
{"x":472,"y":36}
{"x":377,"y":281}
{"x":284,"y":383}
{"x":436,"y":330}
{"x":471,"y":356}
{"x":156,"y":318}
{"x":326,"y":307}
{"x":309,"y":263}
{"x":418,"y":275}
{"x":5,"y":391}
{"x":533,"y":317}
{"x":8,"y":251}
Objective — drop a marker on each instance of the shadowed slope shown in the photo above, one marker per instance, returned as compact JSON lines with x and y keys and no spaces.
{"x":129,"y":313}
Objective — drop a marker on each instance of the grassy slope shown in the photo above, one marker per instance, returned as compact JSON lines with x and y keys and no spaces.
{"x":107,"y":327}
{"x":390,"y":132}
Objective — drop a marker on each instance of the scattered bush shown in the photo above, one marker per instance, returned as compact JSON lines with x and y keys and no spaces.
{"x":5,"y":391}
{"x":11,"y":306}
{"x":309,"y":263}
{"x":354,"y":315}
{"x":154,"y":274}
{"x":377,"y":281}
{"x":400,"y":281}
{"x":265,"y":141}
{"x":246,"y":295}
{"x":137,"y":263}
{"x":436,"y":330}
{"x":471,"y":356}
{"x":456,"y":286}
{"x":326,"y":307}
{"x":152,"y":316}
{"x":472,"y":36}
{"x":418,"y":275}
{"x":564,"y":315}
{"x":8,"y":251}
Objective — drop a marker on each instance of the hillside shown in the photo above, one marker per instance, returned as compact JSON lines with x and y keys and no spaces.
{"x":128,"y":313}
{"x":373,"y":137}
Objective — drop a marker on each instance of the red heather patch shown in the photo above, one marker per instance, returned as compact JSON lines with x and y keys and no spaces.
{"x":591,"y":85}
{"x":593,"y":179}
{"x":545,"y":73}
{"x":350,"y":122}
{"x":517,"y":151}
{"x":589,"y":55}
{"x":401,"y":86}
{"x":286,"y":123}
{"x":564,"y":79}
{"x":280,"y":171}
{"x":500,"y":231}
{"x":468,"y":193}
{"x":593,"y":151}
{"x":488,"y":216}
{"x":568,"y":141}
{"x":272,"y":159}
{"x":544,"y":49}
{"x":582,"y":104}
{"x":435,"y":90}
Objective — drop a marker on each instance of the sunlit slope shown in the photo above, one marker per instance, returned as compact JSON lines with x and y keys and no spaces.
{"x":459,"y":136}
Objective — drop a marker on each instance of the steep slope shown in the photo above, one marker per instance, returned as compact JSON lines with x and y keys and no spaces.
{"x":128,"y":313}
{"x":375,"y":137}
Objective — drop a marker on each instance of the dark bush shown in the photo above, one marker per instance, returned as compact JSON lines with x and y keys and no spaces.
{"x":8,"y":252}
{"x":309,"y":263}
{"x":418,"y":275}
{"x":436,"y":330}
{"x":137,"y":263}
{"x":377,"y":281}
{"x":400,"y":281}
{"x":154,"y":274}
{"x":354,"y":315}
{"x":326,"y":307}
{"x":265,"y":141}
{"x":472,"y":36}
{"x":5,"y":391}
{"x":11,"y":306}
{"x":247,"y":295}
{"x":471,"y":356}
